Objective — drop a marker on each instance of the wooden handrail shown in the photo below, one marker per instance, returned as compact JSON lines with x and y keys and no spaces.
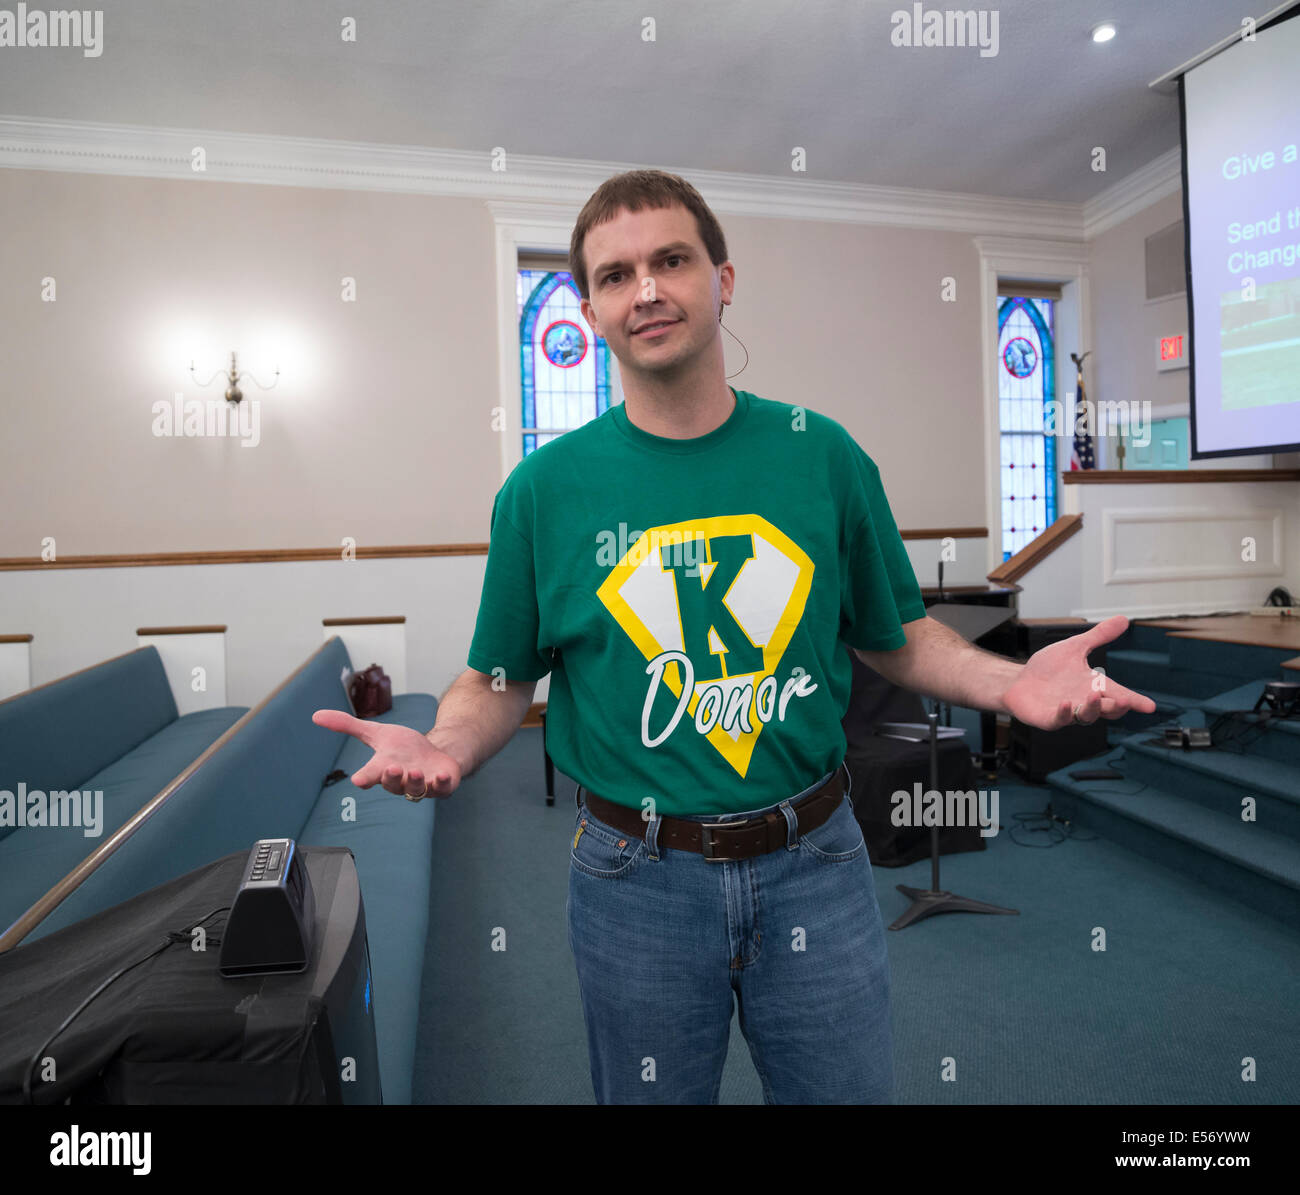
{"x":362,"y":622}
{"x":1037,"y":549}
{"x":213,"y":630}
{"x":945,"y":533}
{"x":240,"y":556}
{"x":1145,"y":476}
{"x":77,"y":876}
{"x":278,"y":555}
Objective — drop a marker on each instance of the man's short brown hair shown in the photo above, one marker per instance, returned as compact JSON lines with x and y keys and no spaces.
{"x":634,"y":190}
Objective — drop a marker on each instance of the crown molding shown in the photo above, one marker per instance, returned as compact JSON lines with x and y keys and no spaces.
{"x":559,"y":186}
{"x":86,"y":147}
{"x":1147,"y":185}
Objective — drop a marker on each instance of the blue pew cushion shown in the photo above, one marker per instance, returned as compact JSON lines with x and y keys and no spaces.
{"x":55,"y":736}
{"x":35,"y":858}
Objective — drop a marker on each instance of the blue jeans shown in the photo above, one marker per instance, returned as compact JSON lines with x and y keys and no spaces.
{"x":663,"y":937}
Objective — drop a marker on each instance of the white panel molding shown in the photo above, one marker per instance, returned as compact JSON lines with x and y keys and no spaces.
{"x":967,"y":569}
{"x":15,"y":668}
{"x":180,"y":655}
{"x":273,"y":611}
{"x":1192,"y":522}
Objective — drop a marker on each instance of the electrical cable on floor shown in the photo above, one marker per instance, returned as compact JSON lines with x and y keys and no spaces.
{"x":1049,"y":820}
{"x":1051,"y":823}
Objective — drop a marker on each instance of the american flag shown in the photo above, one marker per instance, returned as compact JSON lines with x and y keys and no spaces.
{"x":1082,"y":455}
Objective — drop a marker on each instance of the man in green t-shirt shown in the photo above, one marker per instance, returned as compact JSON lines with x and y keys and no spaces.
{"x":687,"y":568}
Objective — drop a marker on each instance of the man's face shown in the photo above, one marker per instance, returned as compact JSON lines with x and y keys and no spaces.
{"x":650,"y":266}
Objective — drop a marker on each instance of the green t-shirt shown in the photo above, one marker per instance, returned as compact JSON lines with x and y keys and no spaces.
{"x":691,"y":599}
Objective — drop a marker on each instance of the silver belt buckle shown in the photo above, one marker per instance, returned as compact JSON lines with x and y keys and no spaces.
{"x":706,"y":841}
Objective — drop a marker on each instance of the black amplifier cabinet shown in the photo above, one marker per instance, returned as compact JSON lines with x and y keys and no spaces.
{"x":1034,"y":753}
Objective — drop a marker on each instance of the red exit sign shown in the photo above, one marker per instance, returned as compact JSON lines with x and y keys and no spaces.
{"x":1171,"y":352}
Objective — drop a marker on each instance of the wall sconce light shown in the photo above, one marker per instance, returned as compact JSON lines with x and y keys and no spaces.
{"x":233,"y":393}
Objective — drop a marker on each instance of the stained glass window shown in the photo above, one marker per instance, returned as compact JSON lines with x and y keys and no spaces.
{"x":563,"y":368}
{"x":1026,"y":383}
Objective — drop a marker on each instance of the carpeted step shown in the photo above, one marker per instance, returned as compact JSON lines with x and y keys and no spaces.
{"x":1219,"y":780}
{"x":1233,"y":662}
{"x":1153,"y":669}
{"x":1168,"y":706}
{"x":1243,"y":860}
{"x":1140,"y":638}
{"x":1274,"y":738}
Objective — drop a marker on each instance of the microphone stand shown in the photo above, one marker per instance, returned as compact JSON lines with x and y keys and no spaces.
{"x":934,"y":900}
{"x":943,"y":706}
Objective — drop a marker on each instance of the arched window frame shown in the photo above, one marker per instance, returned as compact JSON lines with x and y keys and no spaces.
{"x":532,"y":309}
{"x":1047,"y":347}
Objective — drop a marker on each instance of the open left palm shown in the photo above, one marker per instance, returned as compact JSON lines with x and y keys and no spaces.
{"x":1057,"y":680}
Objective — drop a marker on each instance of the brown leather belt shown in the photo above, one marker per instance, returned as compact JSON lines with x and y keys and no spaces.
{"x":721,"y":842}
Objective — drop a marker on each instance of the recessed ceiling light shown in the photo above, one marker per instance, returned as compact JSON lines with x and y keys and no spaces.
{"x":1103,"y":32}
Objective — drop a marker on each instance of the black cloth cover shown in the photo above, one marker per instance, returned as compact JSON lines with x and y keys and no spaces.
{"x":171,"y":1029}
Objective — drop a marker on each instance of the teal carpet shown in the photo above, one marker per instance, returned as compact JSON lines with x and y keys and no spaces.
{"x":1191,"y":982}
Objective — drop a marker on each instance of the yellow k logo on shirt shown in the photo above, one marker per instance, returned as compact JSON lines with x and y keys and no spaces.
{"x":712,"y":604}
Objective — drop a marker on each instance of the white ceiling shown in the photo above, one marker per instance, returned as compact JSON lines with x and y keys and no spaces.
{"x":727,"y":85}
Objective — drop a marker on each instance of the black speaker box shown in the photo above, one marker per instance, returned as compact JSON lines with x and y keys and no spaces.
{"x":880,"y":766}
{"x":1034,"y":753}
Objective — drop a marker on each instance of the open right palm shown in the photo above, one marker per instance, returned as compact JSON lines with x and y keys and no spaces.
{"x":404,"y":760}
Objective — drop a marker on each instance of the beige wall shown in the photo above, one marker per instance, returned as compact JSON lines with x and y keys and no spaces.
{"x":849,"y":321}
{"x":380,"y":427}
{"x":1125,"y":326}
